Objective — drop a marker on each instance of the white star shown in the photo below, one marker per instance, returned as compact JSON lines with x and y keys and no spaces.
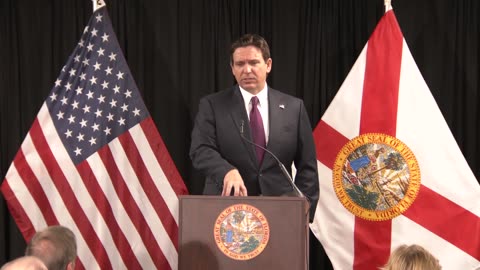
{"x":124,"y":107}
{"x":76,"y":58}
{"x":80,"y":43}
{"x":58,"y":82}
{"x":104,"y":37}
{"x":53,"y":97}
{"x":63,"y":69}
{"x":120,"y":75}
{"x":64,"y":101}
{"x":99,"y":17}
{"x":108,"y":70}
{"x":79,"y":90}
{"x":80,"y":137}
{"x":75,"y":104}
{"x":68,"y":133}
{"x":100,"y":51}
{"x":95,"y":127}
{"x":78,"y":151}
{"x":71,"y":119}
{"x":128,"y":93}
{"x":90,"y":94}
{"x":110,"y":117}
{"x":104,"y":85}
{"x":94,"y":32}
{"x":116,"y":89}
{"x":85,"y":62}
{"x":90,"y":47}
{"x":83,"y":123}
{"x":92,"y":141}
{"x":60,"y":115}
{"x":112,"y":56}
{"x":82,"y":76}
{"x":107,"y":130}
{"x":85,"y":30}
{"x":93,"y":80}
{"x":101,"y":99}
{"x":86,"y":109}
{"x":113,"y":103}
{"x":97,"y":65}
{"x":98,"y":113}
{"x":72,"y":72}
{"x":121,"y":121}
{"x":68,"y":86}
{"x":136,"y":112}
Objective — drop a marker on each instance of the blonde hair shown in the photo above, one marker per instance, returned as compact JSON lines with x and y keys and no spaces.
{"x":413,"y":257}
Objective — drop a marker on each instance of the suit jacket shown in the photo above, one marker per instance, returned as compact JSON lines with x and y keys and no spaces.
{"x":217,"y":146}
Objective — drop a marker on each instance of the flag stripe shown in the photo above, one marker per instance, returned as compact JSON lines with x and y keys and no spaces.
{"x":129,"y":204}
{"x":328,"y":143}
{"x":34,"y":188}
{"x":128,"y":172}
{"x":382,"y":74}
{"x":67,"y":195}
{"x":16,"y":208}
{"x":116,"y":201}
{"x":108,"y":214}
{"x":451,"y":223}
{"x":168,"y":168}
{"x":148,"y":184}
{"x":379,"y":115}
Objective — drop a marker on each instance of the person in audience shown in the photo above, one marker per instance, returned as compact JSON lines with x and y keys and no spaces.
{"x":25,"y":263}
{"x":413,"y":257}
{"x":56,"y":246}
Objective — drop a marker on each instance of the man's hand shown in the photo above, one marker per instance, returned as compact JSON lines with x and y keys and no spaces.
{"x":234,"y":180}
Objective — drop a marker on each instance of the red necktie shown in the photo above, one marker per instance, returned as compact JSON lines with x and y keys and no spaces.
{"x":258,"y":132}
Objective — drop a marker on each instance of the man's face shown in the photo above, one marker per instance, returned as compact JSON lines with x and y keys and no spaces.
{"x":249,"y":68}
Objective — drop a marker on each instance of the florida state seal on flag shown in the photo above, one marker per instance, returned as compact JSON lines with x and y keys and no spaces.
{"x":390,"y":171}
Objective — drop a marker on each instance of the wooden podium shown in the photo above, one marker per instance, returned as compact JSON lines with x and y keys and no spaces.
{"x":214,"y":230}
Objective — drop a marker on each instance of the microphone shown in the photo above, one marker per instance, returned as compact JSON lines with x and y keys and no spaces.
{"x":280,"y":164}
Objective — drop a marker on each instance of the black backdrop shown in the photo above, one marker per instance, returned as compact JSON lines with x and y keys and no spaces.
{"x":178,"y":52}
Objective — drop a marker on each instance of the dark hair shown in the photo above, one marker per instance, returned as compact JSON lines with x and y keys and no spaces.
{"x":251,"y":40}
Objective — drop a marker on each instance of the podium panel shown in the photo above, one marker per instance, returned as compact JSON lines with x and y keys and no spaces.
{"x":244,"y":233}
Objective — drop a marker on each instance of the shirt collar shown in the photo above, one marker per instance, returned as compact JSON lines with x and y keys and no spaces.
{"x":262,"y":95}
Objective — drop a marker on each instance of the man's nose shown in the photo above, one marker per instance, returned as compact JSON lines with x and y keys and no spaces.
{"x":247,"y":69}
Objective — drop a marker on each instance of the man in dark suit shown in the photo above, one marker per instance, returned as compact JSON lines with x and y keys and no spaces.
{"x":278,"y":122}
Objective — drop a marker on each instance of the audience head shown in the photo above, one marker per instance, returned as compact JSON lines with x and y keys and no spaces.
{"x":413,"y":257}
{"x":25,"y":263}
{"x":56,"y":246}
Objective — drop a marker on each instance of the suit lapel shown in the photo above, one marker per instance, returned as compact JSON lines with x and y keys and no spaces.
{"x":276,"y":109}
{"x":240,"y":118}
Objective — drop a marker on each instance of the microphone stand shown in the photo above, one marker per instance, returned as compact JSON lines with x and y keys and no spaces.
{"x":280,"y":164}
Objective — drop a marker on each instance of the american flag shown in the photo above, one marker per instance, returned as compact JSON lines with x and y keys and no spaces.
{"x":94,"y":161}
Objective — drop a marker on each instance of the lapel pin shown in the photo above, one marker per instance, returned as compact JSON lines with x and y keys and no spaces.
{"x":281,"y":106}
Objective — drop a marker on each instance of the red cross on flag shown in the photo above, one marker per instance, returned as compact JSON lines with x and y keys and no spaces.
{"x":390,"y":171}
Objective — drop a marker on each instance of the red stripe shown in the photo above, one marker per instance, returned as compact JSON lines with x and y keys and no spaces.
{"x":105,"y":210}
{"x":18,"y":212}
{"x":36,"y":190}
{"x":379,"y":115}
{"x":328,"y":143}
{"x":163,"y":156}
{"x":68,"y":196}
{"x":149,"y":187}
{"x":446,"y":219}
{"x":132,"y":209}
{"x":382,"y":76}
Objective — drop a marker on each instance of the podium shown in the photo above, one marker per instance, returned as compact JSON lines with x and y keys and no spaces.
{"x":244,"y":233}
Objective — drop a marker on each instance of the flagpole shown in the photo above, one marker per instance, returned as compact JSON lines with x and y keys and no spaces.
{"x":98,"y":4}
{"x":388,"y":5}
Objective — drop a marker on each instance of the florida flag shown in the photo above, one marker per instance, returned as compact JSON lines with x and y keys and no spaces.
{"x":390,"y":171}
